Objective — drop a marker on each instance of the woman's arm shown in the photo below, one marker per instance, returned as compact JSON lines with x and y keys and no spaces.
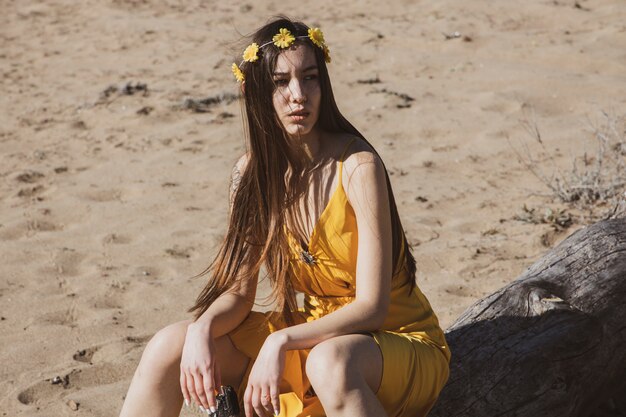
{"x":368,"y":195}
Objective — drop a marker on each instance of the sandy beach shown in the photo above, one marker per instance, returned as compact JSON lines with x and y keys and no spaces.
{"x":120,"y":123}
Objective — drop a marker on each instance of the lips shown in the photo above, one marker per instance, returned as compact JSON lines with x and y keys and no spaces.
{"x":298,"y":116}
{"x":299,"y":113}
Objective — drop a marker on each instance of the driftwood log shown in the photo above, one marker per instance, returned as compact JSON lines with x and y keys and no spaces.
{"x":550,"y":343}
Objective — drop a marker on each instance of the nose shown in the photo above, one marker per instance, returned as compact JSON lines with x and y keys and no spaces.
{"x":297,"y":91}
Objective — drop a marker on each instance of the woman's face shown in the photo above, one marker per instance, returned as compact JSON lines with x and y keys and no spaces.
{"x":297,"y":96}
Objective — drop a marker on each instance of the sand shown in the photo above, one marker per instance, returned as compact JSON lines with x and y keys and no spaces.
{"x":113,"y":193}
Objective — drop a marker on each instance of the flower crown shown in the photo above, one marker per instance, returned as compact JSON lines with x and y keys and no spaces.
{"x":283,"y":39}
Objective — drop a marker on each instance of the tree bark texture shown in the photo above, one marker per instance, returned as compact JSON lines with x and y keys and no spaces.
{"x":552,"y":342}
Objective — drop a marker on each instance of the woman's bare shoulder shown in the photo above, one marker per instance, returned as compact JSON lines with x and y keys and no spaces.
{"x":359,"y":153}
{"x":362,"y":167}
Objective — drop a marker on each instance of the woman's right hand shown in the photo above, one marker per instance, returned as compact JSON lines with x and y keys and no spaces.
{"x":199,"y":372}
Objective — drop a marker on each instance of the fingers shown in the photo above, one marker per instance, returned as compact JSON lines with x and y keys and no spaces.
{"x":247,"y":401}
{"x":262,"y":401}
{"x":257,"y":403}
{"x":266,"y":401}
{"x":200,"y":388}
{"x":275,"y":399}
{"x":209,"y":391}
{"x":183,"y":388}
{"x":191,"y":388}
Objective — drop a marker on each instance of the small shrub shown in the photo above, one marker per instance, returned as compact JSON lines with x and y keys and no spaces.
{"x":596,"y":181}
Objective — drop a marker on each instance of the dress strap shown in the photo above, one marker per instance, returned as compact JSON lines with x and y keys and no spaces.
{"x":341,"y":159}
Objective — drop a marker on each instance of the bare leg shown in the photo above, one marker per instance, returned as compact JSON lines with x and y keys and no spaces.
{"x":155,"y":387}
{"x":345,"y":373}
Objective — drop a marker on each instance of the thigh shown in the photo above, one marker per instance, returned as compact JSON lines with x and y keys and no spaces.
{"x":357,"y":354}
{"x":414,"y":373}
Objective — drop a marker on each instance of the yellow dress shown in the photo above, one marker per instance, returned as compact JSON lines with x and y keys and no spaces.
{"x":416,"y":356}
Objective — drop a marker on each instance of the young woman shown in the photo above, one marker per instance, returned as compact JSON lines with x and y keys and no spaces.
{"x":311,"y":201}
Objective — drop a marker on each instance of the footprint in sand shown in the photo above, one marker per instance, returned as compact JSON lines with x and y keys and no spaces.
{"x":28,"y":228}
{"x":65,"y":317}
{"x":110,"y":300}
{"x":38,"y":225}
{"x":60,"y":386}
{"x":30,"y":177}
{"x":101,"y":353}
{"x":67,"y":261}
{"x":96,"y":371}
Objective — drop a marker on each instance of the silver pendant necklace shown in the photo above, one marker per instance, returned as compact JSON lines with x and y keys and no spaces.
{"x":306,"y":257}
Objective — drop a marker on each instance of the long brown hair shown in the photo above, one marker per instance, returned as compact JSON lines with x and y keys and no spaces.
{"x":265,"y":195}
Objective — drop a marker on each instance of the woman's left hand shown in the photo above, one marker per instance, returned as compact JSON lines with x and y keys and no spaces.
{"x":263,"y":383}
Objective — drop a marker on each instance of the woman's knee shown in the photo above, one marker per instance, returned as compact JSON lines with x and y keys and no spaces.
{"x":344,"y":362}
{"x":327,"y":364}
{"x":164,"y":350}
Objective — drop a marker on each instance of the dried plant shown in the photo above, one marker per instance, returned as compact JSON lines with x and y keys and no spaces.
{"x":597,"y":179}
{"x":559,"y":219}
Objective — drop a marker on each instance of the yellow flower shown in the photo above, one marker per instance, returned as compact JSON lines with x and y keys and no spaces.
{"x":326,"y":54}
{"x":283,"y":39}
{"x":237,"y":72}
{"x":250,"y":54}
{"x":317,"y":37}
